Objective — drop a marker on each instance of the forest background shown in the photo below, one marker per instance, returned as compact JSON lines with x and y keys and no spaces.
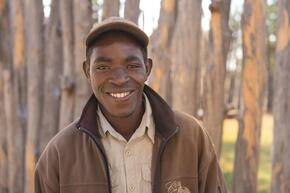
{"x":225,"y":62}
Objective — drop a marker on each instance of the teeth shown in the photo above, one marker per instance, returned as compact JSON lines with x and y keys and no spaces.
{"x":119,"y":95}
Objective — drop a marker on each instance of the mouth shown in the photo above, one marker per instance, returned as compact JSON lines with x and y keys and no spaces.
{"x":120,"y":95}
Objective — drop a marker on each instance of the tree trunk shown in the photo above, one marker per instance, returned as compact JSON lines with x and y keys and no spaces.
{"x":132,"y":10}
{"x":219,"y":39}
{"x":82,"y":24}
{"x":281,"y":110}
{"x":14,"y":99}
{"x":3,"y":136}
{"x":35,"y":66}
{"x":161,"y":42}
{"x":110,"y":8}
{"x":53,"y":70}
{"x":4,"y":60}
{"x":19,"y":68}
{"x":253,"y":94}
{"x":15,"y":137}
{"x":185,"y":53}
{"x":68,"y":78}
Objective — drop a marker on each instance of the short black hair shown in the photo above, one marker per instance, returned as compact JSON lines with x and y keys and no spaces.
{"x":91,"y":45}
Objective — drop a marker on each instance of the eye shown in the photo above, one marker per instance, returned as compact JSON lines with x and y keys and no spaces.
{"x":133,"y":66}
{"x":102,"y":67}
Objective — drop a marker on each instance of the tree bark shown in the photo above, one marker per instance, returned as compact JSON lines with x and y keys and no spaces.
{"x":281,"y":110}
{"x":53,"y":70}
{"x":15,"y":100}
{"x":4,"y":60}
{"x":68,"y":78}
{"x":82,"y":24}
{"x":35,"y":66}
{"x":219,"y":39}
{"x":132,"y":10}
{"x":110,"y":8}
{"x":19,"y":67}
{"x":253,"y":95}
{"x":15,"y":137}
{"x":185,"y":53}
{"x":160,"y":50}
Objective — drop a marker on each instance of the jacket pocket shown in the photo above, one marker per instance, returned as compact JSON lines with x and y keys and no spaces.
{"x":146,"y":182}
{"x":219,"y":189}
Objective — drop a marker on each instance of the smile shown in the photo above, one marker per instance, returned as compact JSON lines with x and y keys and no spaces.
{"x":119,"y":95}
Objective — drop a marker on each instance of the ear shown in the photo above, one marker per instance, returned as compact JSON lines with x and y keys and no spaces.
{"x":148,"y":66}
{"x":86,"y":69}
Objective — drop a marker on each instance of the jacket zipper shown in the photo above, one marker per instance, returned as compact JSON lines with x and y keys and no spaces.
{"x":156,"y":188}
{"x":98,"y":144}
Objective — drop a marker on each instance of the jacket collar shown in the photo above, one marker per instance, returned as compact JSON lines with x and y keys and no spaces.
{"x":162,"y":114}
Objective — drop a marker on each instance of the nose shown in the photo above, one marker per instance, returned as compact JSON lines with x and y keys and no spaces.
{"x":119,"y":76}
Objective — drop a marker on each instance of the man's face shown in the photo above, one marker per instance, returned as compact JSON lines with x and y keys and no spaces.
{"x":117,"y":72}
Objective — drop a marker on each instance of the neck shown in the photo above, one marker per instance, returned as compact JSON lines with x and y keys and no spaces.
{"x":126,"y":126}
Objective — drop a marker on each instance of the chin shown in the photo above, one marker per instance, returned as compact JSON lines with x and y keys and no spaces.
{"x":123,"y":114}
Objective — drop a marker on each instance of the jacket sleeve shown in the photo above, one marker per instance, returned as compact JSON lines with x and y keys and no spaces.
{"x":211,"y":179}
{"x":47,"y":172}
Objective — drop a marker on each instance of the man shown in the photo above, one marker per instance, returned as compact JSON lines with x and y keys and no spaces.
{"x":127,"y":138}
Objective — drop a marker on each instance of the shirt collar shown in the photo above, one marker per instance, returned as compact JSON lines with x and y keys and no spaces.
{"x":146,"y":126}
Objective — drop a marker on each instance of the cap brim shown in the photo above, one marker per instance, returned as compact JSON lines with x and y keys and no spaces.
{"x":118,"y":26}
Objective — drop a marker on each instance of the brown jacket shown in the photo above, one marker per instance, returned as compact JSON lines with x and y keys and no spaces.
{"x":184,"y":160}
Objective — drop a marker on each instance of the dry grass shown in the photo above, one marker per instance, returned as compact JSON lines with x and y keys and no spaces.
{"x":227,"y":157}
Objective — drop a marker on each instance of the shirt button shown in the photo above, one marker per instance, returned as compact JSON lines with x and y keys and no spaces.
{"x":131,"y":188}
{"x":128,"y":153}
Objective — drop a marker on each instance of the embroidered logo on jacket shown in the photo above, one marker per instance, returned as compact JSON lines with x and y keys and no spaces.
{"x":176,"y":187}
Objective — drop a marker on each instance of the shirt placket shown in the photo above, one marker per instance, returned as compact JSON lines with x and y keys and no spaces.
{"x":129,"y":166}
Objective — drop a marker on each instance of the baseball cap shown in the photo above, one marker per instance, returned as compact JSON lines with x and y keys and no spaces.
{"x":117,"y":24}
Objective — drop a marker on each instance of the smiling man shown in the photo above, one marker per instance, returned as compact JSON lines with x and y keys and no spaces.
{"x":127,"y":139}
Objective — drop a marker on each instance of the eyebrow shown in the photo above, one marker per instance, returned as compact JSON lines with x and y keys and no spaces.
{"x":107,"y":59}
{"x":132,"y":58}
{"x":103,"y":59}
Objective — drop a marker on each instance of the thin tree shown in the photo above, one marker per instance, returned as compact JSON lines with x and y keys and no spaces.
{"x":110,"y":8}
{"x":53,"y":70}
{"x":185,"y":53}
{"x":219,"y":39}
{"x":68,"y":77}
{"x":281,"y":110}
{"x":4,"y":60}
{"x":160,"y":48}
{"x":35,"y":73}
{"x":253,"y":94}
{"x":14,"y":90}
{"x":82,"y":24}
{"x":132,"y":10}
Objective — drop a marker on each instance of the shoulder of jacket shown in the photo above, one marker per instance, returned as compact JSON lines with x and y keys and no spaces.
{"x":64,"y":136}
{"x":187,"y":123}
{"x":191,"y":128}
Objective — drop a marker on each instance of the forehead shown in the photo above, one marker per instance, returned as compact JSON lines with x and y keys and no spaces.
{"x":114,"y":43}
{"x":111,"y":37}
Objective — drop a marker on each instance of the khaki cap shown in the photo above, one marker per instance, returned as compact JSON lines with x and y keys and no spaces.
{"x":117,"y":24}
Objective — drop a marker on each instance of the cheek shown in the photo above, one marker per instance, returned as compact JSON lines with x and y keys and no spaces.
{"x":140,"y":77}
{"x":96,"y":81}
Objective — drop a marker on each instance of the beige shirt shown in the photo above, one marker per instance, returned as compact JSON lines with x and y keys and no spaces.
{"x":130,"y":161}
